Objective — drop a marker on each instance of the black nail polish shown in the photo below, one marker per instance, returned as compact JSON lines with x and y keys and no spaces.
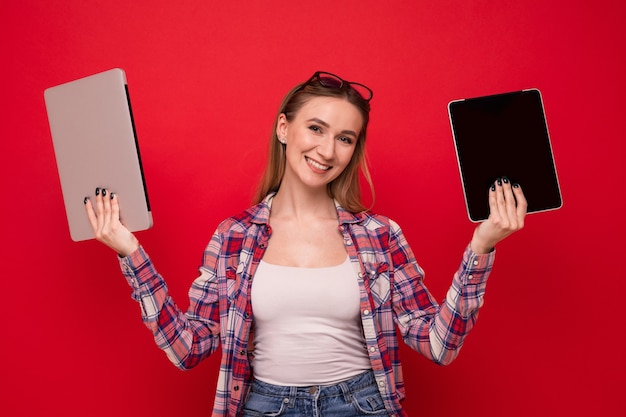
{"x":85,"y":200}
{"x":505,"y":180}
{"x":98,"y":191}
{"x":112,"y":194}
{"x":516,"y":185}
{"x":493,"y":187}
{"x":499,"y":181}
{"x":104,"y":192}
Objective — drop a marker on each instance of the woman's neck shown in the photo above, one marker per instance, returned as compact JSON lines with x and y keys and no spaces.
{"x":298,"y":203}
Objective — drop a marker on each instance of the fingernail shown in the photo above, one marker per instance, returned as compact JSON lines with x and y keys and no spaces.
{"x":493,"y":187}
{"x":98,"y":191}
{"x":85,"y":200}
{"x":112,"y":194}
{"x":499,"y":181}
{"x":516,"y":185}
{"x":505,"y":180}
{"x":104,"y":192}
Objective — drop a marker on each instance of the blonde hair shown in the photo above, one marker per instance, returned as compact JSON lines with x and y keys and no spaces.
{"x":346,"y":188}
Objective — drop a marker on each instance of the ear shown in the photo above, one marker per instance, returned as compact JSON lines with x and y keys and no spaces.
{"x":282,"y":126}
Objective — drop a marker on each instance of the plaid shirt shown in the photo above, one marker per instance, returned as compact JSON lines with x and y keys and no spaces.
{"x":392,"y":296}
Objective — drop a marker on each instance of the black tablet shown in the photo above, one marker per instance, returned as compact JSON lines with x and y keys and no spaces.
{"x":504,"y":135}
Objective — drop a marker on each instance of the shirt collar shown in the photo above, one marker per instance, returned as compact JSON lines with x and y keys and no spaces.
{"x":261,"y":212}
{"x":347,"y":217}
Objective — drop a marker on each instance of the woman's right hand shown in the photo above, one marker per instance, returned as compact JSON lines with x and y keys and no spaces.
{"x":104,"y":217}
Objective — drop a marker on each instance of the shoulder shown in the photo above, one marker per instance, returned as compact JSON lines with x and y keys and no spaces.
{"x":377,"y":228}
{"x":256,"y":217}
{"x":372,"y":221}
{"x":242,"y":221}
{"x":230,"y":235}
{"x":374,"y":227}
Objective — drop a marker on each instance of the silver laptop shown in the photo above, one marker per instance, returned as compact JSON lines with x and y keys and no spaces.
{"x":95,"y":145}
{"x":504,"y":135}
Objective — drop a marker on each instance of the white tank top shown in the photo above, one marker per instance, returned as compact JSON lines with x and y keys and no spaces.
{"x":307,"y":325}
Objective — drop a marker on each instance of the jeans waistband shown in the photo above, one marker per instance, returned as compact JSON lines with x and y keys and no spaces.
{"x":344,"y":388}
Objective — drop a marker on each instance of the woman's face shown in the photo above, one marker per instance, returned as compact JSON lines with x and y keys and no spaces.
{"x":320,"y":140}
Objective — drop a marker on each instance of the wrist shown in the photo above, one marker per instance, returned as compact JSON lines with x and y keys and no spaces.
{"x":129,"y":249}
{"x":480,"y":245}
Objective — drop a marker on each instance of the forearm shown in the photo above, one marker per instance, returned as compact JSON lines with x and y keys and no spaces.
{"x":438,"y":332}
{"x":458,"y":313}
{"x":186,"y":342}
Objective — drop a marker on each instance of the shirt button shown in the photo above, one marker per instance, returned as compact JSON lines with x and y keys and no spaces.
{"x":475,"y":262}
{"x":470,"y":276}
{"x":361,"y":275}
{"x":366,"y":312}
{"x":236,"y":388}
{"x":381,"y":384}
{"x":348,"y":242}
{"x":372,"y":349}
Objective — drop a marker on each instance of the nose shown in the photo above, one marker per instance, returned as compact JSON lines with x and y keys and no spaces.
{"x":326,"y":147}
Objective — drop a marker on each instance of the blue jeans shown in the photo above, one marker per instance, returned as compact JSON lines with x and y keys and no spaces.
{"x":356,"y":397}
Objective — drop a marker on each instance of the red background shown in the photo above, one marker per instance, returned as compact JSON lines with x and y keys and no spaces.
{"x":206,"y":79}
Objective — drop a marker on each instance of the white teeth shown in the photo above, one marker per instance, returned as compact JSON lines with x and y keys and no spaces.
{"x":317,"y":165}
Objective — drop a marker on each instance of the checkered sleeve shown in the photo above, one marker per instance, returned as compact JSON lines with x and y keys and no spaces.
{"x":436,"y":331}
{"x":186,"y":340}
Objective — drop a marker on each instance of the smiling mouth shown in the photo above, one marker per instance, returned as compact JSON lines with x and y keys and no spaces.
{"x":316,"y":164}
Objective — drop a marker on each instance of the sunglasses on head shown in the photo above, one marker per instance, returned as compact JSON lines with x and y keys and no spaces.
{"x":328,"y":80}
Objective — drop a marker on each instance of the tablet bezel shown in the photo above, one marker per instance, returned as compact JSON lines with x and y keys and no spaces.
{"x":481,"y":161}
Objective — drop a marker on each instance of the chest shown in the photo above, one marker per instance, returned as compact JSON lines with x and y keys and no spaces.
{"x":313,"y":245}
{"x":317,"y":295}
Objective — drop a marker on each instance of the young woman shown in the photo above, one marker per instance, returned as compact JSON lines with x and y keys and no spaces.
{"x":304,"y":292}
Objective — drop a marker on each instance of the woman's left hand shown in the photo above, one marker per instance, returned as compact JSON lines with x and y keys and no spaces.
{"x":507,"y":210}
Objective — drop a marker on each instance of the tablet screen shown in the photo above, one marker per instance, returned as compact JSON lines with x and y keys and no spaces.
{"x":504,"y":135}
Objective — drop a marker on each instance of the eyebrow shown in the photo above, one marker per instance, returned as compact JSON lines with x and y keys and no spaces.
{"x":326,"y":125}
